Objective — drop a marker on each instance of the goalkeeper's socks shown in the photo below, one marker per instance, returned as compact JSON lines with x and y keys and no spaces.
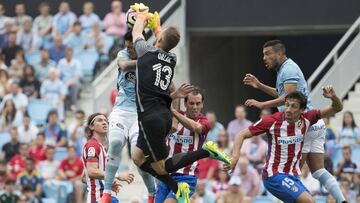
{"x":167,"y":179}
{"x":182,"y":160}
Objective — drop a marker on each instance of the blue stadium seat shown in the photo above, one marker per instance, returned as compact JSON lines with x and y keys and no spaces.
{"x":48,"y":200}
{"x":108,"y":42}
{"x":262,"y":199}
{"x":337,"y":157}
{"x":33,"y":57}
{"x":320,"y":199}
{"x":4,"y":138}
{"x":87,"y":60}
{"x":355,"y":154}
{"x":60,"y":153}
{"x":38,"y":110}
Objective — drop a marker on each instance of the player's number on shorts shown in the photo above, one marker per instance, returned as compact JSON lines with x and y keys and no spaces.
{"x":159,"y":68}
{"x":287,"y":182}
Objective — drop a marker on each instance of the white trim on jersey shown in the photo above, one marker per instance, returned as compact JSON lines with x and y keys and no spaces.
{"x":137,"y":89}
{"x":283,"y":148}
{"x":272,"y":150}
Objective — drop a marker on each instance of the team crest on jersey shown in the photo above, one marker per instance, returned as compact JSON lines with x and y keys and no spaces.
{"x":120,"y":126}
{"x":294,"y":188}
{"x":300,"y":124}
{"x":91,"y":152}
{"x":130,"y":76}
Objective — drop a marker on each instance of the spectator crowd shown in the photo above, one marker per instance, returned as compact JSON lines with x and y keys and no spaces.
{"x":42,"y":64}
{"x":45,"y":61}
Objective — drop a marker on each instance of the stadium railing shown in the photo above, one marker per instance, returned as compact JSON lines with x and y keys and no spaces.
{"x":343,"y":61}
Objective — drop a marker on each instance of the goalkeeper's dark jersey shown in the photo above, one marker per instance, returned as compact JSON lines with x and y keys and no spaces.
{"x":154,"y":73}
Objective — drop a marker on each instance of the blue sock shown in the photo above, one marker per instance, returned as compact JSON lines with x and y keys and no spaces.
{"x":113,"y":163}
{"x":330,"y":183}
{"x":148,"y":181}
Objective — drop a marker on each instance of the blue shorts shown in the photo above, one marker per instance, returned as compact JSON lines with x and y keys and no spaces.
{"x":113,"y":200}
{"x":164,"y":192}
{"x":285,"y":187}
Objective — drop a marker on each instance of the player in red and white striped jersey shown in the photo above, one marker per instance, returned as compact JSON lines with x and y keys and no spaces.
{"x":190,"y":135}
{"x":286,"y":132}
{"x":94,"y":158}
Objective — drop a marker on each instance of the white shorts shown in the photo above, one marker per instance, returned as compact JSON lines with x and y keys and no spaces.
{"x":123,"y":125}
{"x":315,"y":138}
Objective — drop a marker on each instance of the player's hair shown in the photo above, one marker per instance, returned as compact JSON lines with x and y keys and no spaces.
{"x":196,"y":91}
{"x":128,"y":36}
{"x":277,"y":46}
{"x":298,"y":96}
{"x":353,"y":124}
{"x":170,"y":38}
{"x":89,"y":122}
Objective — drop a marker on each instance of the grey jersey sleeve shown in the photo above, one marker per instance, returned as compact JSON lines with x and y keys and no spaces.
{"x":142,"y":47}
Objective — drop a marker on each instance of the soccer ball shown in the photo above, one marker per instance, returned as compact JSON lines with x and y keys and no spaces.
{"x":130,"y":18}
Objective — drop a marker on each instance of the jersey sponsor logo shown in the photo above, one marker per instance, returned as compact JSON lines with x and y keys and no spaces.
{"x":290,"y":140}
{"x":91,"y":152}
{"x":316,"y":128}
{"x":164,"y":57}
{"x":130,"y":76}
{"x":181,"y":139}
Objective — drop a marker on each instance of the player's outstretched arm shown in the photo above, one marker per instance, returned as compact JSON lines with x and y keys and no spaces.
{"x":187,"y":122}
{"x":335,"y":107}
{"x":274,"y":102}
{"x":127,"y":64}
{"x":251,"y":80}
{"x":239,"y":139}
{"x":140,"y":23}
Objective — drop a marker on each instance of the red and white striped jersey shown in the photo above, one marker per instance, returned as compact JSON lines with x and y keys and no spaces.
{"x":285,"y":141}
{"x":184,"y":140}
{"x":93,"y":151}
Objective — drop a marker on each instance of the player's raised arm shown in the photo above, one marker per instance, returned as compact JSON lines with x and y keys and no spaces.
{"x":251,"y":80}
{"x":239,"y":139}
{"x":126,"y":64}
{"x":274,"y":102}
{"x":141,"y":12}
{"x":187,"y":122}
{"x":335,"y":107}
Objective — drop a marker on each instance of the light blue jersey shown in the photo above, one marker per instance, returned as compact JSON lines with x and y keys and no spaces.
{"x":125,"y":99}
{"x":290,"y":73}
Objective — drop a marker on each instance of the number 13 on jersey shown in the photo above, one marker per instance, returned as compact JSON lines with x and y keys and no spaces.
{"x":166,"y":70}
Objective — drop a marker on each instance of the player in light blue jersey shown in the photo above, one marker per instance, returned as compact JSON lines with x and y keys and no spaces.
{"x":123,"y":121}
{"x":290,"y":78}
